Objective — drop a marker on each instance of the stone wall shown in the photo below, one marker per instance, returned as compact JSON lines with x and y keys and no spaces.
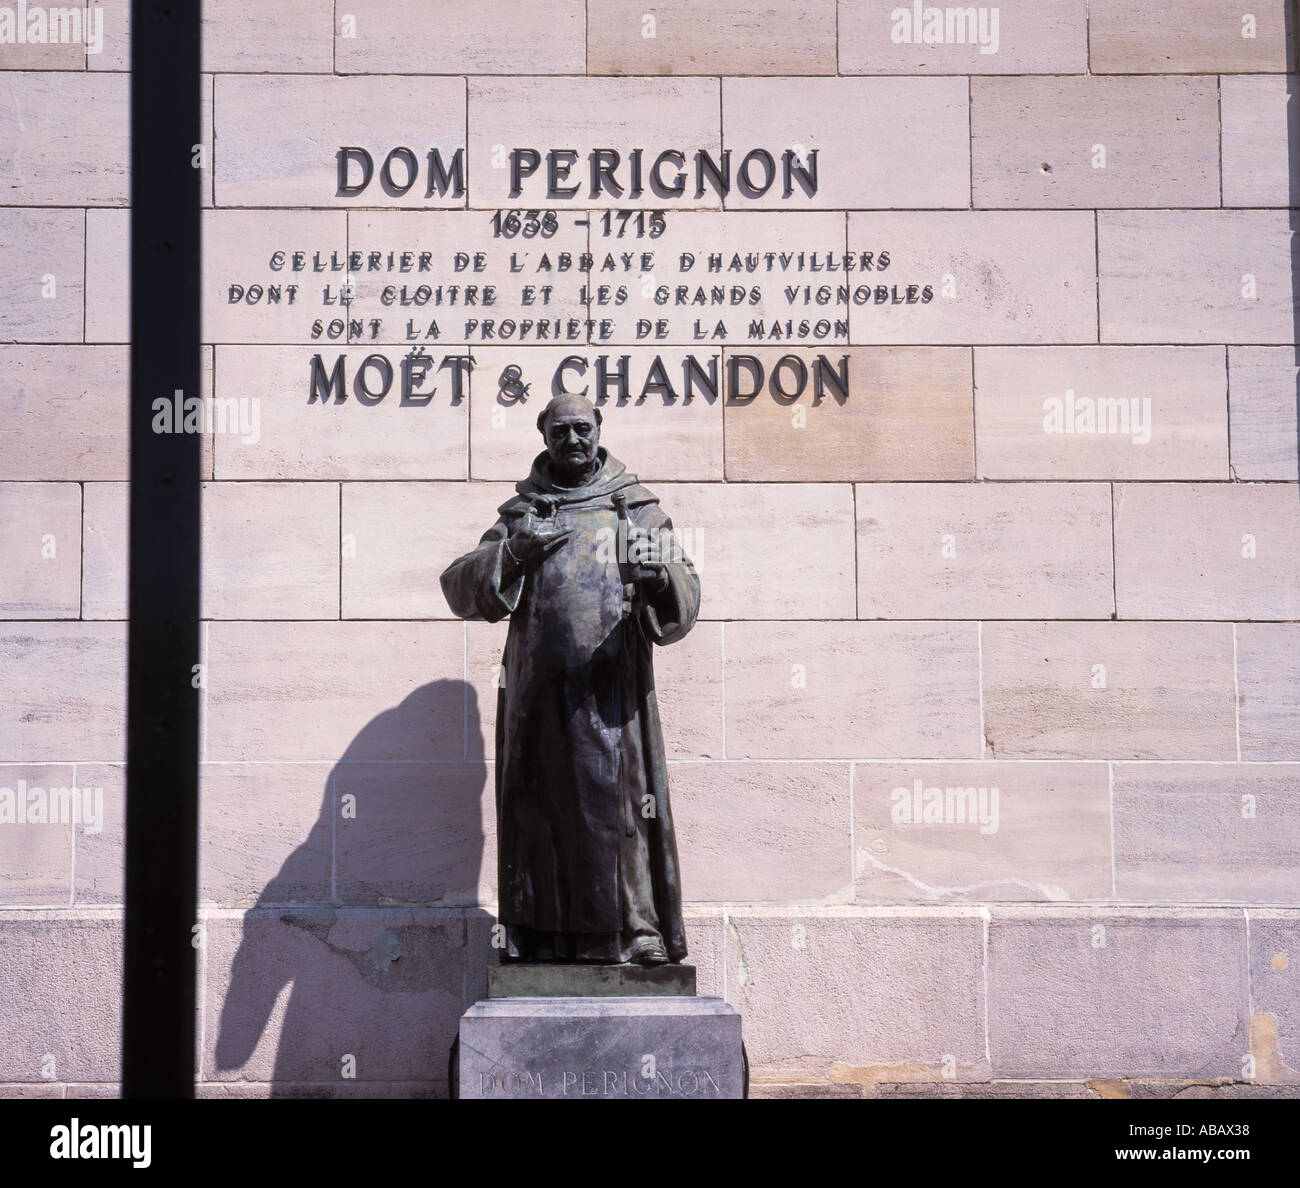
{"x":951,"y":580}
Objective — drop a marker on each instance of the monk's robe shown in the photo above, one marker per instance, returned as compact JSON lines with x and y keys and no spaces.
{"x":587,"y":858}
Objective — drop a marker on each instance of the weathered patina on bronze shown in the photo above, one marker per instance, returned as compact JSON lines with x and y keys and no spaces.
{"x":584,"y":562}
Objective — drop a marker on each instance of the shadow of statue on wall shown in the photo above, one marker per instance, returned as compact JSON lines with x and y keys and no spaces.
{"x":367,"y":946}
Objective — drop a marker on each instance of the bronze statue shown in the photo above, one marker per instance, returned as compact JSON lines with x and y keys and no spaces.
{"x":586,"y":565}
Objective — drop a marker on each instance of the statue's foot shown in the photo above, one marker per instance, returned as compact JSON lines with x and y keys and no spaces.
{"x":650,"y":954}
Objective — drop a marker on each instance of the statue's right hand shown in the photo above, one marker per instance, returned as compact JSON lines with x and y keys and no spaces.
{"x":533,"y":532}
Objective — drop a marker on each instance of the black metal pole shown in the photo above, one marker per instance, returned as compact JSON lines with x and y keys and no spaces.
{"x":162,"y":728}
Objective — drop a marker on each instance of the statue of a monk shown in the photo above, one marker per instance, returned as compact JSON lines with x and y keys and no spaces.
{"x":585,"y":563}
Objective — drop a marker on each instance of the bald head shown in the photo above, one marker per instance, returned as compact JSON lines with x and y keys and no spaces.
{"x":570,"y":426}
{"x":569,"y":405}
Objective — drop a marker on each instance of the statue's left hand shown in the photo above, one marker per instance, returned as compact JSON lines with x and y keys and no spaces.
{"x":647,"y":567}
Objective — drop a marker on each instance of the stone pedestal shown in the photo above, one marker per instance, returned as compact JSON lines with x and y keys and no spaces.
{"x":574,"y":1031}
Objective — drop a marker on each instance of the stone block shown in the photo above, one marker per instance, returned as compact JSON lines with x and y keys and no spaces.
{"x":270,"y":549}
{"x":1257,"y":167}
{"x":47,"y":55}
{"x":1171,"y":276}
{"x":1275,"y":996}
{"x":286,"y":37}
{"x":984,"y":550}
{"x":1187,"y":36}
{"x":1262,"y":390}
{"x":100,"y":871}
{"x":65,"y":412}
{"x":907,"y":416}
{"x":1206,"y":551}
{"x":105,"y":536}
{"x":1268,"y":690}
{"x":1101,"y":413}
{"x":1095,"y":142}
{"x":671,"y":1046}
{"x":60,"y":988}
{"x":1012,"y":277}
{"x":852,"y":690}
{"x":40,"y":810}
{"x":744,"y":37}
{"x":1124,"y":993}
{"x":753,"y":832}
{"x":688,"y":684}
{"x":292,"y":37}
{"x":986,"y":831}
{"x":488,"y":37}
{"x":44,"y":258}
{"x":1017,"y":37}
{"x":1165,"y":812}
{"x":56,"y":156}
{"x":319,"y":692}
{"x":859,"y":998}
{"x":40,"y":539}
{"x":1108,"y":690}
{"x":108,"y":275}
{"x":70,"y":680}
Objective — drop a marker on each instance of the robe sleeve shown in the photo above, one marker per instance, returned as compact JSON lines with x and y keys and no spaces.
{"x":670,"y":614}
{"x":473,"y":584}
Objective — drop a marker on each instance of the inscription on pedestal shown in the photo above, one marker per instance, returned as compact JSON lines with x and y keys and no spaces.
{"x":638,"y":1082}
{"x":673,"y":1046}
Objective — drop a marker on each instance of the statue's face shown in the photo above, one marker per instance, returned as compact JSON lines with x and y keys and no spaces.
{"x":572,"y":437}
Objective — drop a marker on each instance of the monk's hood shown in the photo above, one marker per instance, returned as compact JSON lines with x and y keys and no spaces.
{"x":612,"y":476}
